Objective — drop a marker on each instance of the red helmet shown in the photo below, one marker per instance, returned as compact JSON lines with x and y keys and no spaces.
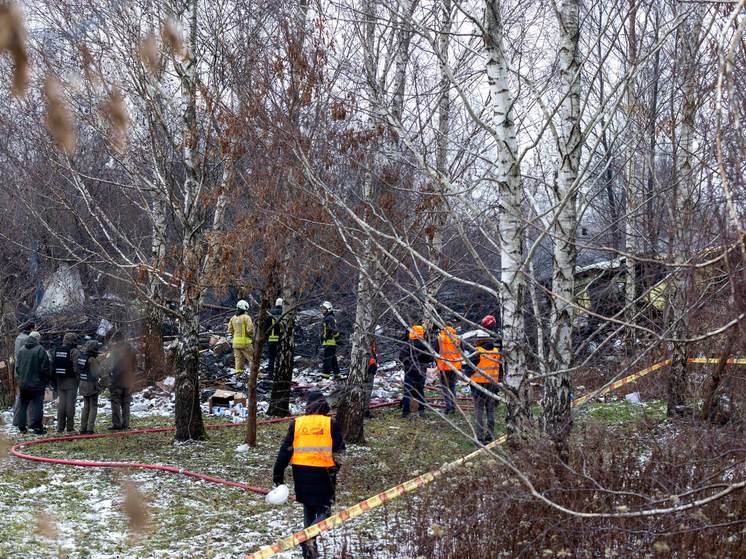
{"x":488,"y":321}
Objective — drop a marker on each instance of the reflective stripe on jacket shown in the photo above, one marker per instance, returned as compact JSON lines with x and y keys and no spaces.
{"x":312,"y":442}
{"x":330,"y":330}
{"x":242,"y":330}
{"x":450,"y":356}
{"x":488,"y":366}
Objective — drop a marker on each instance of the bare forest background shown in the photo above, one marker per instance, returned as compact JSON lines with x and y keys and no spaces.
{"x":574,"y":168}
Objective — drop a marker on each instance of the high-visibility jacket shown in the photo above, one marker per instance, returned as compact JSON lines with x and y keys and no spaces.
{"x":242,"y":330}
{"x":488,"y":366}
{"x":449,"y":356}
{"x":312,"y":442}
{"x":330,"y":334}
{"x":373,"y":355}
{"x":274,"y":331}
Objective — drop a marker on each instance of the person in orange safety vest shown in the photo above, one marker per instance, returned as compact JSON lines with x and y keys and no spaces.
{"x":486,"y":374}
{"x":449,"y":361}
{"x":313,"y":445}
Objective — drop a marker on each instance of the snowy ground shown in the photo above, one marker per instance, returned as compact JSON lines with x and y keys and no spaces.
{"x":79,"y":512}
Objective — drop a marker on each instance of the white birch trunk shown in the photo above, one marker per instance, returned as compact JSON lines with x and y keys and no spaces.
{"x":515,"y":378}
{"x":556,"y":417}
{"x":631,"y":229}
{"x":683,"y":205}
{"x":187,"y":406}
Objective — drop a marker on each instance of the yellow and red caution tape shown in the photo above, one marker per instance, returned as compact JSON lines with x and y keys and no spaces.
{"x":377,"y":500}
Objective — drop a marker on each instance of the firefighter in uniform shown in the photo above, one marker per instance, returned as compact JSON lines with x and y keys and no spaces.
{"x":241,"y":331}
{"x":329,"y":342}
{"x":449,"y":361}
{"x":313,"y":444}
{"x":486,"y":375}
{"x":273,"y":336}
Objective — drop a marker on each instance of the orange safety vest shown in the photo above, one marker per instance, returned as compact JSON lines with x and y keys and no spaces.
{"x":450,"y":356}
{"x":312,"y":442}
{"x":488,"y":366}
{"x":373,"y":359}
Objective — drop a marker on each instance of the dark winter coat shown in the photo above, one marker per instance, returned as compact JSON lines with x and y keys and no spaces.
{"x":91,"y":361}
{"x":415,"y":357}
{"x":122,"y":366}
{"x":313,"y":485}
{"x":33,"y":368}
{"x":68,"y":383}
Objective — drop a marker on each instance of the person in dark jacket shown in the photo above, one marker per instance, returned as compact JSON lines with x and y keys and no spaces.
{"x":33,"y":371}
{"x":122,"y":366}
{"x":415,"y":357}
{"x":329,"y":343}
{"x":273,"y":336}
{"x":91,"y":374}
{"x":314,"y":444}
{"x":66,"y":374}
{"x":26,"y":329}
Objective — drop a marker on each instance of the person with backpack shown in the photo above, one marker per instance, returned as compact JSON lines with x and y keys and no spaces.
{"x":66,"y":374}
{"x":91,"y":376}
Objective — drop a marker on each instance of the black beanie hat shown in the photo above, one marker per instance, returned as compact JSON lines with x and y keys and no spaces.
{"x":316,"y":404}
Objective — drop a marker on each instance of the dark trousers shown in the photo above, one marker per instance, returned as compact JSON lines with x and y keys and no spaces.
{"x":484,"y":404}
{"x":36,"y":399}
{"x":17,"y":409}
{"x":66,"y":409}
{"x":330,"y":362}
{"x":313,"y":514}
{"x":120,"y":407}
{"x":413,"y":386}
{"x":372,"y":369}
{"x":88,"y":416}
{"x":448,"y":386}
{"x":272,"y":351}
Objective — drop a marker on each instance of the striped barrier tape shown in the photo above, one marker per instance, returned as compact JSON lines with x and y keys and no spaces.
{"x":377,"y":500}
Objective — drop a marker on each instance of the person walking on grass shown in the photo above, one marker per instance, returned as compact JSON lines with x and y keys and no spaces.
{"x":91,"y":375}
{"x":33,"y":371}
{"x":313,"y":444}
{"x":122,"y":367}
{"x":66,"y":375}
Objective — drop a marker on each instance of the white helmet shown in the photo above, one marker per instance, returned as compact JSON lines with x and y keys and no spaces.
{"x":278,"y":495}
{"x":243,"y":305}
{"x":327,"y":305}
{"x":278,"y":302}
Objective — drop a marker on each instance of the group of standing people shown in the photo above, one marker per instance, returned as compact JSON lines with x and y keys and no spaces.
{"x":483,"y":365}
{"x":71,"y":372}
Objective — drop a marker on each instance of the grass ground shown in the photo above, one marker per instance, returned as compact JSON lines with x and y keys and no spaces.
{"x":54,"y":510}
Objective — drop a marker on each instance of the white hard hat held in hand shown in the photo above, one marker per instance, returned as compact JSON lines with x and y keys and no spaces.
{"x":278,"y":495}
